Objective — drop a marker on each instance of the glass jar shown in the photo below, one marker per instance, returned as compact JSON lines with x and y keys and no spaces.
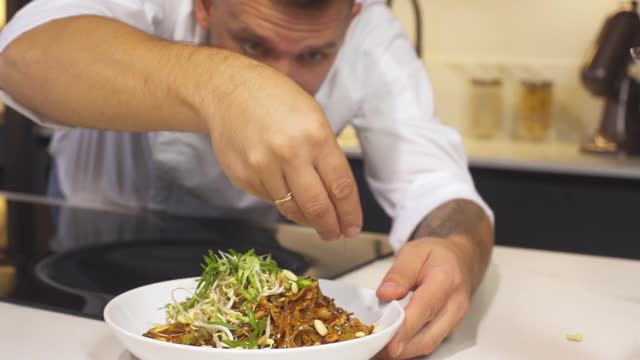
{"x":485,"y":107}
{"x":533,"y":112}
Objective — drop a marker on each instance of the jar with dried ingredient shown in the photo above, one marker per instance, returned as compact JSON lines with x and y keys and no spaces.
{"x":533,"y":112}
{"x":485,"y":107}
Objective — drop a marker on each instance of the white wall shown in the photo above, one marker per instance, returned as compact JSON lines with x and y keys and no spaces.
{"x":550,"y":37}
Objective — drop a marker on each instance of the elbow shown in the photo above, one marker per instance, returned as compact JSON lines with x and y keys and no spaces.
{"x":5,"y":64}
{"x":17,"y":61}
{"x":18,"y":73}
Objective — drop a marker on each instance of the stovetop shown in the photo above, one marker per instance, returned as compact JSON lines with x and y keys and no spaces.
{"x":74,"y":260}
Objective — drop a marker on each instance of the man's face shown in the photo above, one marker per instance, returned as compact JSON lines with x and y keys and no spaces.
{"x":301,"y":43}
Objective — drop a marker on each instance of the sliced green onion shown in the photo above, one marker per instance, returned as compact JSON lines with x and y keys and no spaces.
{"x":252,"y":317}
{"x":236,"y":344}
{"x":189,"y":341}
{"x":301,"y":282}
{"x":240,"y":279}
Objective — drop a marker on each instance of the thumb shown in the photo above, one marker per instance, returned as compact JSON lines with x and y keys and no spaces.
{"x":403,"y":275}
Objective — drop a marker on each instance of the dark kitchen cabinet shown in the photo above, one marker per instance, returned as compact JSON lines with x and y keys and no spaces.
{"x":581,"y":214}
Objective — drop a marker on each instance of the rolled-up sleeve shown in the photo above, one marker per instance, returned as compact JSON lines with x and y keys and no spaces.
{"x":140,"y":14}
{"x":414,"y":163}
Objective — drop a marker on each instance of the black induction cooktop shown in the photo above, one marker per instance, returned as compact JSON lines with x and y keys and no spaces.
{"x":74,"y":259}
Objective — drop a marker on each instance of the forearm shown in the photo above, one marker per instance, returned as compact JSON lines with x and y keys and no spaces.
{"x":99,"y":73}
{"x":467,"y":226}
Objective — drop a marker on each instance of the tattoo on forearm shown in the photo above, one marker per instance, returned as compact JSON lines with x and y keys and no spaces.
{"x":467,"y":220}
{"x":457,"y":217}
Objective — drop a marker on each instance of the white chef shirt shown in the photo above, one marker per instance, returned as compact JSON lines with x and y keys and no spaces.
{"x":413,"y":162}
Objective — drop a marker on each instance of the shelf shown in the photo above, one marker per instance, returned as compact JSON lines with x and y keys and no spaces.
{"x":550,"y":157}
{"x":545,"y":157}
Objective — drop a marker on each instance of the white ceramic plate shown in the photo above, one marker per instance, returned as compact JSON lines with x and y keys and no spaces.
{"x":134,"y":312}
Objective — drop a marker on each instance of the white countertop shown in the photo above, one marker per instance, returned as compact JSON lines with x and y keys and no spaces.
{"x":550,"y":157}
{"x":529,"y":301}
{"x":546,"y":157}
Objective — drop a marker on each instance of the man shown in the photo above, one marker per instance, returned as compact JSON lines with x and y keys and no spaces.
{"x":131,"y":66}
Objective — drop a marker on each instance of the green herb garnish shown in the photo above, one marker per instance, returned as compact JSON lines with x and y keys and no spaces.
{"x":189,"y":341}
{"x":226,"y":296}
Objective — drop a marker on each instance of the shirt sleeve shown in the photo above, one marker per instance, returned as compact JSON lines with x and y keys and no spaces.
{"x":141,"y":14}
{"x":413,"y":162}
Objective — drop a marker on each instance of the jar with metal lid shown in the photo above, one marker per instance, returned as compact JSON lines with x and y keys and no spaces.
{"x":485,"y":106}
{"x":534,"y":109}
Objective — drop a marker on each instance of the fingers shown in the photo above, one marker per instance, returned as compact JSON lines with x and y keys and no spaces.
{"x":439,"y":302}
{"x":342,"y":189}
{"x":426,"y":302}
{"x":432,"y":335}
{"x":315,"y":170}
{"x":312,"y":199}
{"x":403,"y":275}
{"x":291,"y":211}
{"x":277,"y":189}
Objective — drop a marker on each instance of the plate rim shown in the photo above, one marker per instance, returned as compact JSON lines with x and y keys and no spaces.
{"x":395,"y":326}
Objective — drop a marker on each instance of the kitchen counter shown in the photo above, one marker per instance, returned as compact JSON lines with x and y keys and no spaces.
{"x":545,"y":157}
{"x":528,"y":303}
{"x":548,"y":157}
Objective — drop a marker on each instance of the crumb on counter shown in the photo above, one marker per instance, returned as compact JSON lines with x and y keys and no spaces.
{"x":574,"y":337}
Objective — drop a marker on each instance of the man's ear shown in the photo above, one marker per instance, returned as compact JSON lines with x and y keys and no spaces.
{"x":203,"y":9}
{"x":357,"y":6}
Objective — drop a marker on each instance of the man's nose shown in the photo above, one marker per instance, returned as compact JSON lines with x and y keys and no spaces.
{"x":287,"y":67}
{"x":283,"y":65}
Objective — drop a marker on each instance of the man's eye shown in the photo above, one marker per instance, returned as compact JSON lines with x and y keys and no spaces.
{"x":252,"y":48}
{"x":315,"y":57}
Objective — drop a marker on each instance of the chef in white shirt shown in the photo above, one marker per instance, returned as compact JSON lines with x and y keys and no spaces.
{"x":230,"y":107}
